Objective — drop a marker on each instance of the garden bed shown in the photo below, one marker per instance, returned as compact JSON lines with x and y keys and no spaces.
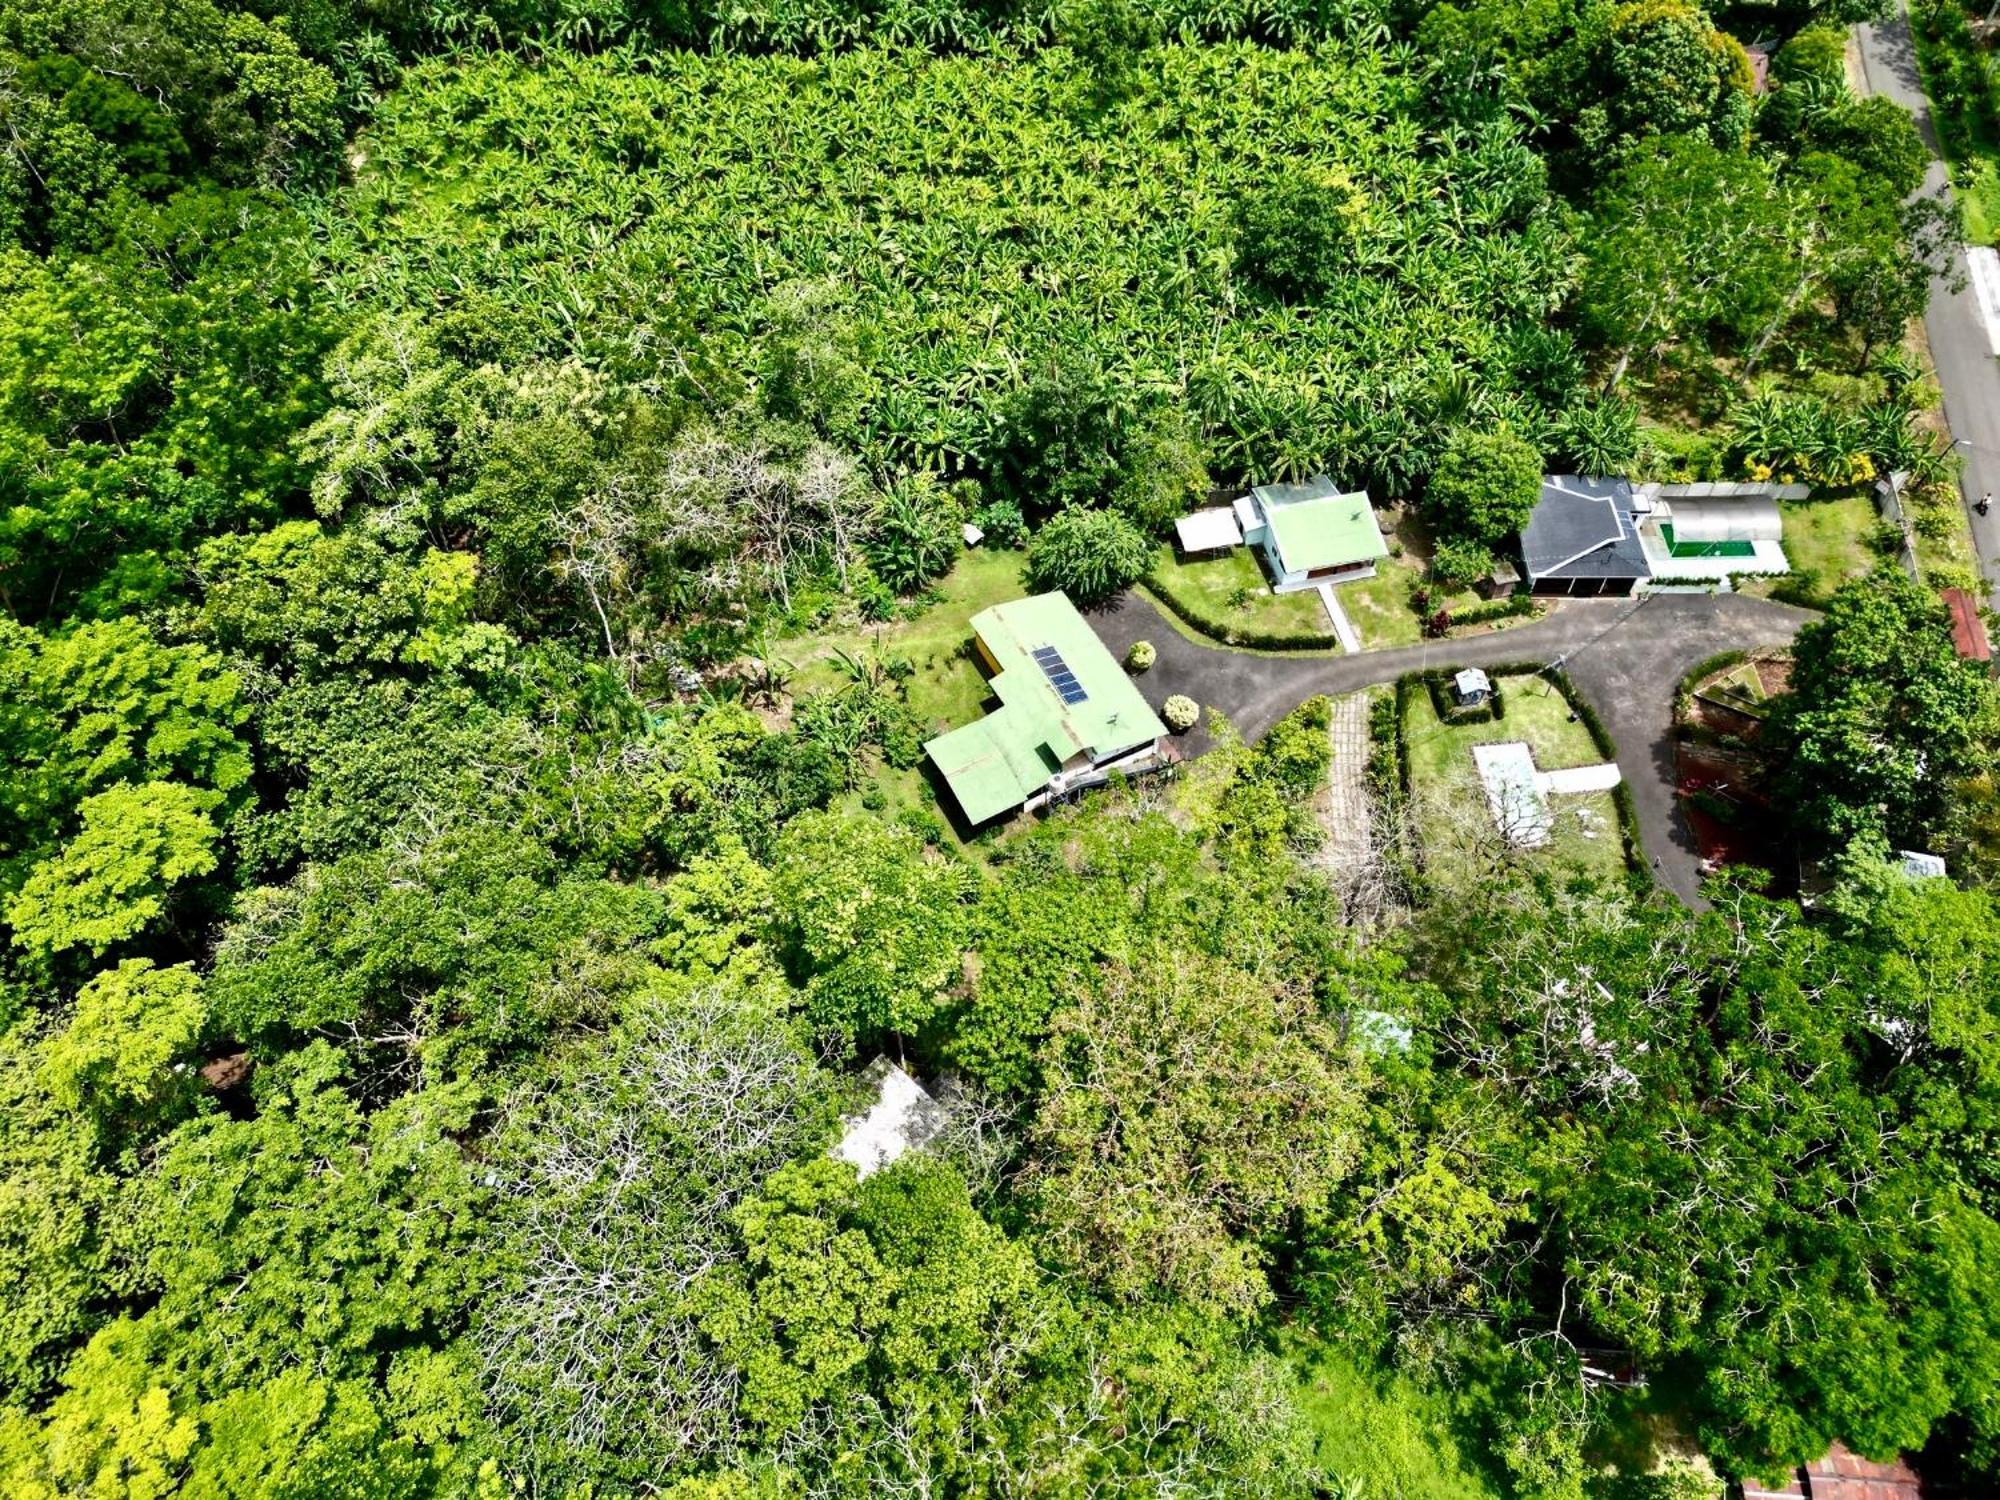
{"x":1453,"y":822}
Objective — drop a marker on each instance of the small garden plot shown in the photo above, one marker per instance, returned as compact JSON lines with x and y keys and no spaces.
{"x":1451,"y":803}
{"x":1228,"y":598}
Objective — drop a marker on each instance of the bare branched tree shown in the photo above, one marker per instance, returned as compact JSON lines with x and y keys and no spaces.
{"x":619,"y":1181}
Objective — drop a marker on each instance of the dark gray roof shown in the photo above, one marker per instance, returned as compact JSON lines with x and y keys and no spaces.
{"x":1582,"y":528}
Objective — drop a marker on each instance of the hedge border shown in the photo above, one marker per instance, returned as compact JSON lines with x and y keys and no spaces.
{"x":1684,"y":689}
{"x":1494,"y":710}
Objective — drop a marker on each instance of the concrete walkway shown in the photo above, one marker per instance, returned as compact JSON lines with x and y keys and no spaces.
{"x":1626,"y":656}
{"x":1342,"y":630}
{"x":1966,"y":369}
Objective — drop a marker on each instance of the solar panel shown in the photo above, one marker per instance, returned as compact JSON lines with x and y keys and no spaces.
{"x":1061,"y":678}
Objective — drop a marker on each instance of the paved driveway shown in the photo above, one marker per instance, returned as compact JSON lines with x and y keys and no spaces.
{"x":1966,"y":370}
{"x":1625,"y":655}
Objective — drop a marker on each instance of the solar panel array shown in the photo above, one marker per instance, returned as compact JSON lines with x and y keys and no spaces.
{"x":1061,"y":678}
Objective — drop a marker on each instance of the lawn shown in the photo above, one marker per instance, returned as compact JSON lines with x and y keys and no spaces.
{"x":947,"y":687}
{"x":1231,"y":596}
{"x":1829,"y":538}
{"x":1453,"y":820}
{"x":1379,"y":607}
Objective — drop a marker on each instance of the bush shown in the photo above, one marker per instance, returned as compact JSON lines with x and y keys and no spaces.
{"x":1297,"y":233}
{"x":1180,"y":713}
{"x":1141,"y":656}
{"x":1485,"y":487}
{"x":1087,"y":554}
{"x":1459,"y":564}
{"x":916,"y":535}
{"x":1002,"y":522}
{"x":1513,"y":606}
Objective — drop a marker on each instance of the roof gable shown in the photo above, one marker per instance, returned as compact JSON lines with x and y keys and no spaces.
{"x":1583,"y":527}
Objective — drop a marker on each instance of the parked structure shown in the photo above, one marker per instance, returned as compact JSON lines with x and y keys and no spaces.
{"x":1610,"y":536}
{"x":1968,"y":630}
{"x":1208,"y":531}
{"x":1311,"y":533}
{"x":1068,"y":715}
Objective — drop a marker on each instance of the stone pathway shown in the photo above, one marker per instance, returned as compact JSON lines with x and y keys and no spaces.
{"x":1345,"y":811}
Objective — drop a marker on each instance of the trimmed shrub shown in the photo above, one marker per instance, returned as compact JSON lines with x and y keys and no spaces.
{"x":1180,"y":713}
{"x":1087,"y":554}
{"x":1141,"y":656}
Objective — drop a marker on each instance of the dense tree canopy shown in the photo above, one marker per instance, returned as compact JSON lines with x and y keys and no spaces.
{"x":482,"y":506}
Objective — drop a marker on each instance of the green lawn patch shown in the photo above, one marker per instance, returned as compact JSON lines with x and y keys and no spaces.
{"x":1827,"y":543}
{"x":1228,"y":597}
{"x":947,"y":687}
{"x":1379,"y":607}
{"x":1454,"y":823}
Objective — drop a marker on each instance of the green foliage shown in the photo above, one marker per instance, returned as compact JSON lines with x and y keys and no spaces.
{"x":1180,"y":712}
{"x":134,"y":846}
{"x":1087,"y":554}
{"x":1300,"y":233}
{"x":1459,"y":563}
{"x":1188,"y":1107}
{"x":1485,"y":487}
{"x":870,"y":921}
{"x":1141,"y":657}
{"x":916,"y":534}
{"x":131,"y":1025}
{"x":1140,"y":212}
{"x":1883,"y":715}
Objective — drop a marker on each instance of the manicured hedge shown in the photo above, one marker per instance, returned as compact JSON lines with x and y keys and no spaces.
{"x":1512,"y":607}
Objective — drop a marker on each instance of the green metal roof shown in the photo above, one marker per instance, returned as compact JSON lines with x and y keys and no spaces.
{"x":995,"y":764}
{"x":1315,"y":526}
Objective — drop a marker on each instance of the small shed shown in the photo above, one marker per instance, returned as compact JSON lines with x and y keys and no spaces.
{"x":1214,"y":530}
{"x":901,"y":1119}
{"x":1471,"y":688}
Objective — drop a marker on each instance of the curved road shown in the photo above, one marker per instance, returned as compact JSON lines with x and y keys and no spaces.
{"x":1626,"y":655}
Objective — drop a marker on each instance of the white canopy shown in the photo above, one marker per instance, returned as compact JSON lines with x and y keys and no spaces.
{"x":1738,"y":518}
{"x":1207,"y":530}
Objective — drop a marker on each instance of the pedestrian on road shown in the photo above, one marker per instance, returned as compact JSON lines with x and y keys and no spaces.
{"x":1985,"y":503}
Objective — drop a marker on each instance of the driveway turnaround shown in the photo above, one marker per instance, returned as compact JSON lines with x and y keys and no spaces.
{"x":1961,"y":346}
{"x":1625,"y":655}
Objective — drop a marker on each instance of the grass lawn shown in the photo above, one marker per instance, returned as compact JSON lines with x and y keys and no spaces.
{"x":1453,"y":820}
{"x":1826,"y":538}
{"x":948,"y":687}
{"x":1379,"y":607}
{"x":1210,"y":587}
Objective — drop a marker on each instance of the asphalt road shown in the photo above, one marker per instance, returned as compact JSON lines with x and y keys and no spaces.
{"x":1967,"y":371}
{"x":1625,"y":655}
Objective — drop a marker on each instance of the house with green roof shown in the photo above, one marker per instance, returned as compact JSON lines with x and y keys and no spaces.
{"x":1068,"y":714}
{"x":1311,"y":533}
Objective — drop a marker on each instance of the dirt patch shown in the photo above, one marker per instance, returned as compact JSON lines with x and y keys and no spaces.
{"x":1730,"y":816}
